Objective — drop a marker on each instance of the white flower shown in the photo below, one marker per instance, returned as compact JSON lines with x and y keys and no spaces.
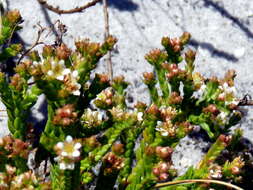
{"x":66,"y":71}
{"x":50,"y":73}
{"x":75,"y":73}
{"x":199,"y":93}
{"x":222,"y":118}
{"x":140,"y":116}
{"x":163,"y":132}
{"x":68,"y":153}
{"x":69,"y":139}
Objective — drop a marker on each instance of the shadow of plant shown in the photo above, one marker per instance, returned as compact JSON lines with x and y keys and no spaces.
{"x":123,"y":5}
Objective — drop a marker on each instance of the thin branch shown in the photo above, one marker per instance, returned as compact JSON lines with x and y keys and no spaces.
{"x":37,"y":42}
{"x":246,"y":101}
{"x":70,"y":11}
{"x":106,"y":35}
{"x":197,"y":181}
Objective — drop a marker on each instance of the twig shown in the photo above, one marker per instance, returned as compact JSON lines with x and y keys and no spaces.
{"x":106,"y":35}
{"x":197,"y":181}
{"x":246,"y":101}
{"x":37,"y":42}
{"x":75,"y":10}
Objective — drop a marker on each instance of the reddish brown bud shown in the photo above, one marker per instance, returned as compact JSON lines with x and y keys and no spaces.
{"x":184,"y":39}
{"x":163,"y":176}
{"x":163,"y":167}
{"x":63,"y":52}
{"x":154,"y":110}
{"x":156,"y":171}
{"x":225,"y":139}
{"x":47,"y":51}
{"x":190,"y":56}
{"x":140,"y":106}
{"x":211,"y":108}
{"x":164,"y":152}
{"x":13,"y":16}
{"x":118,"y":148}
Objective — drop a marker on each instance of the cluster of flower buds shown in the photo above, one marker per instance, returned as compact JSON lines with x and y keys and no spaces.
{"x":91,"y":142}
{"x":176,"y":44}
{"x":65,"y":116}
{"x":161,"y":170}
{"x":153,"y":110}
{"x":13,"y":16}
{"x":172,"y":43}
{"x":149,"y":78}
{"x":119,"y":114}
{"x":27,"y":180}
{"x":91,"y":118}
{"x":14,"y":147}
{"x":68,"y":153}
{"x":173,"y":71}
{"x":168,"y":113}
{"x":17,"y":82}
{"x":86,"y":47}
{"x":167,"y":128}
{"x":227,"y":94}
{"x":118,"y":148}
{"x":225,"y":139}
{"x":156,"y":57}
{"x":105,"y":98}
{"x":211,"y":108}
{"x":236,"y":165}
{"x":164,"y":152}
{"x":215,"y":171}
{"x":175,"y":98}
{"x":62,"y":52}
{"x":112,"y":163}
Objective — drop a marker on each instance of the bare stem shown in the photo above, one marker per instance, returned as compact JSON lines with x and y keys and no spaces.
{"x":197,"y":181}
{"x":37,"y":42}
{"x":106,"y":35}
{"x":70,"y":11}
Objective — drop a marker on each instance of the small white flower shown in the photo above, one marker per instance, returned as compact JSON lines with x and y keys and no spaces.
{"x":61,"y":62}
{"x":60,"y":77}
{"x":64,"y":153}
{"x":50,"y":73}
{"x":60,"y":145}
{"x":71,"y":166}
{"x":75,"y":74}
{"x":35,"y":63}
{"x":139,"y":116}
{"x":66,"y":71}
{"x":76,"y":92}
{"x":62,"y":166}
{"x":77,"y":146}
{"x":76,"y":153}
{"x":69,"y":139}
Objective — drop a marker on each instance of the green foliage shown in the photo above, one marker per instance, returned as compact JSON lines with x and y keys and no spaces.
{"x":91,"y":136}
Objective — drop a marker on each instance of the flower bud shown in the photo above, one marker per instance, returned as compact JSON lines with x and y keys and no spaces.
{"x":156,"y":171}
{"x":13,"y":16}
{"x":163,"y":176}
{"x":48,"y":51}
{"x":185,"y":38}
{"x":164,"y":152}
{"x":63,"y":52}
{"x":118,"y":148}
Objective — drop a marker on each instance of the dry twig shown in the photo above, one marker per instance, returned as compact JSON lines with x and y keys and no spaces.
{"x":70,"y":11}
{"x":37,"y":42}
{"x":229,"y":185}
{"x":106,"y":35}
{"x":246,"y":101}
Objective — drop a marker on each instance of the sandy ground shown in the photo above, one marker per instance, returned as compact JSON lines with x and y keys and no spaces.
{"x":222,"y":33}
